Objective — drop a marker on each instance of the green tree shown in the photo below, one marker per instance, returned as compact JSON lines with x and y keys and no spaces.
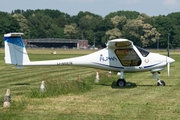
{"x":42,"y":26}
{"x":70,"y":31}
{"x":132,"y":30}
{"x":61,"y":22}
{"x":143,"y":34}
{"x":7,"y":24}
{"x":175,"y":34}
{"x":165,"y":25}
{"x":113,"y":34}
{"x":149,"y":36}
{"x":88,"y":22}
{"x":119,"y":21}
{"x":142,"y":29}
{"x":90,"y":34}
{"x":22,"y":23}
{"x":127,"y":14}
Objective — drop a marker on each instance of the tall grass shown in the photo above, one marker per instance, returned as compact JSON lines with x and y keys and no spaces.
{"x":61,"y":87}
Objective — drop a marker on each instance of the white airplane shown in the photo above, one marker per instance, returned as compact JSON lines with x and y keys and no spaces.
{"x":120,"y":55}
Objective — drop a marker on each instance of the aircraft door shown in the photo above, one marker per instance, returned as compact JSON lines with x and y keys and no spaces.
{"x":128,"y":57}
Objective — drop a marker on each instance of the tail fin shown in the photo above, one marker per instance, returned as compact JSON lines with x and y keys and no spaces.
{"x":15,"y":52}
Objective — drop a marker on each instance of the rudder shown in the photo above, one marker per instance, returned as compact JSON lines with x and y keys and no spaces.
{"x":15,"y":52}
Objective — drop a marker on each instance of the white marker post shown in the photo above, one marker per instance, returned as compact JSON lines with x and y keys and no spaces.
{"x":7,"y":99}
{"x":109,"y":73}
{"x":119,"y":73}
{"x":42,"y":87}
{"x":97,"y":77}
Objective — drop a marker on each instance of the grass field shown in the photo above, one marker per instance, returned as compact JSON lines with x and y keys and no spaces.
{"x":86,"y":100}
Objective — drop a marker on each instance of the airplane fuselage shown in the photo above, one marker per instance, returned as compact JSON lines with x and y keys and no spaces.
{"x":109,"y":60}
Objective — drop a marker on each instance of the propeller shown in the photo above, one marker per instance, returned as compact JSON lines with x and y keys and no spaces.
{"x":168,"y":68}
{"x":169,"y":61}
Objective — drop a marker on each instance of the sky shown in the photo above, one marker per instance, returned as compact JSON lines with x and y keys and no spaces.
{"x":99,"y":7}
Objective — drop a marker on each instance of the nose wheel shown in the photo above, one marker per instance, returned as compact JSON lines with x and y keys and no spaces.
{"x":160,"y":82}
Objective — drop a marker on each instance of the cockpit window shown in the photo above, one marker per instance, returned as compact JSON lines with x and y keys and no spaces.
{"x":128,"y":57}
{"x":143,"y":51}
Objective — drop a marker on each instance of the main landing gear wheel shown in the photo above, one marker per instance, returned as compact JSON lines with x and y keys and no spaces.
{"x":121,"y":82}
{"x":161,"y":83}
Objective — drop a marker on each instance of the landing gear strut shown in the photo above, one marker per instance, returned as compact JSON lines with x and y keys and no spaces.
{"x":121,"y":81}
{"x":159,"y":82}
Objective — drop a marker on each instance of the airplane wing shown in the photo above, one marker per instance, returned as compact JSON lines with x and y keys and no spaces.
{"x":120,"y":43}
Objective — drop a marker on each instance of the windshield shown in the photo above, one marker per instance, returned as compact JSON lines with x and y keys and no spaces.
{"x":143,"y":52}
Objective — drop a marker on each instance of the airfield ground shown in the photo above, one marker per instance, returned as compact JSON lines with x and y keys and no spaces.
{"x":67,"y":98}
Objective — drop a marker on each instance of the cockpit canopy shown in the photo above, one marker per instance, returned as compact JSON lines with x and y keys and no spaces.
{"x":129,"y":57}
{"x":126,"y":53}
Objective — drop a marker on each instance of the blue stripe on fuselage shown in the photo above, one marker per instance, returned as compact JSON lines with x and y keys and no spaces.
{"x":152,"y":65}
{"x":123,"y":67}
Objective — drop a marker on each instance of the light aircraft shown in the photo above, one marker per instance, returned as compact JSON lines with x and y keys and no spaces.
{"x":120,"y":55}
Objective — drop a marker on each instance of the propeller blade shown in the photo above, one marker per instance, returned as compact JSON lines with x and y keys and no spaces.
{"x":168,"y":62}
{"x":168,"y":68}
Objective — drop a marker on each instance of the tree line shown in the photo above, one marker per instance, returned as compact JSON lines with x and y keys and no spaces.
{"x":145,"y":31}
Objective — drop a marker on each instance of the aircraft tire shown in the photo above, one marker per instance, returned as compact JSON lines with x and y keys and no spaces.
{"x":121,"y":82}
{"x":163,"y":83}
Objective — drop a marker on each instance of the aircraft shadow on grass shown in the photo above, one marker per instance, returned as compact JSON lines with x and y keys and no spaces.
{"x":129,"y":85}
{"x":19,"y":84}
{"x":151,"y":85}
{"x":113,"y":85}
